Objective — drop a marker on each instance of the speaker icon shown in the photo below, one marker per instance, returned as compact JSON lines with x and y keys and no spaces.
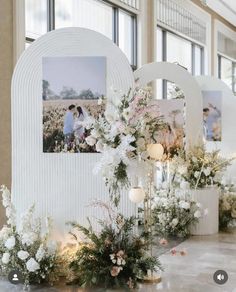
{"x":220,"y":277}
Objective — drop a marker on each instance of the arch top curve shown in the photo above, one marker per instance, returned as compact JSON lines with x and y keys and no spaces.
{"x":190,"y":87}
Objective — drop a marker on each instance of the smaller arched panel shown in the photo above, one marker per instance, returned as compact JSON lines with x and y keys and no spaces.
{"x":216,"y":88}
{"x":190,"y":88}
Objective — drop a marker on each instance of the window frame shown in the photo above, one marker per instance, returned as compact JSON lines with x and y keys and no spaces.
{"x":233,"y":67}
{"x":115,"y":24}
{"x":164,"y":32}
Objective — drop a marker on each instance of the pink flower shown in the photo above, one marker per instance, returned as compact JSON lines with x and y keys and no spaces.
{"x":115,"y":271}
{"x":130,"y":283}
{"x":173,"y":251}
{"x":163,"y":242}
{"x":183,"y":253}
{"x":120,"y":254}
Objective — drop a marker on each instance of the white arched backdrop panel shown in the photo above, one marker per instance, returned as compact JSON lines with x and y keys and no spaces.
{"x":190,"y":88}
{"x":61,"y":185}
{"x":227,"y":145}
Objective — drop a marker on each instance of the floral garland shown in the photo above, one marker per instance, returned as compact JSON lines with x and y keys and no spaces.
{"x":27,"y":248}
{"x":199,"y":168}
{"x":122,"y":136}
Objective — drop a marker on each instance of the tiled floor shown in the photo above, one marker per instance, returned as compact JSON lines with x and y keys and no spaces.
{"x":191,"y":273}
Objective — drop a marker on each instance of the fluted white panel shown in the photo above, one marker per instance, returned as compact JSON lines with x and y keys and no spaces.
{"x":61,"y":185}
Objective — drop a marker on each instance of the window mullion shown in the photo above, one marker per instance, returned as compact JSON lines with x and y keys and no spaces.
{"x":202,"y":61}
{"x":219,"y":66}
{"x":51,"y":15}
{"x":116,"y":25}
{"x":164,"y":59}
{"x":232,"y":72}
{"x":193,"y":59}
{"x":134,"y":42}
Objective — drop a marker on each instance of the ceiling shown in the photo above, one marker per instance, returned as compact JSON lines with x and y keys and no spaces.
{"x":225,"y":8}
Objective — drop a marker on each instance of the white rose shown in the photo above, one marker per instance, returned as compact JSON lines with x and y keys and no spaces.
{"x":184,"y":205}
{"x":174,"y":222}
{"x":119,"y":262}
{"x":197,"y":214}
{"x":40,"y":253}
{"x":207,"y":171}
{"x":95,"y":133}
{"x":141,"y":143}
{"x":194,"y":159}
{"x":182,"y":169}
{"x":90,"y":140}
{"x":4,"y":233}
{"x":196,"y":174}
{"x":23,"y":255}
{"x":99,"y":146}
{"x":10,"y":242}
{"x":32,"y":265}
{"x":5,"y":258}
{"x":29,"y":238}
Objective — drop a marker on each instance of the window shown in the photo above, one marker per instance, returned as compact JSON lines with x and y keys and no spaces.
{"x":84,"y":13}
{"x":227,"y":71}
{"x":178,"y":51}
{"x":175,"y":49}
{"x":108,"y":19}
{"x":35,"y":18}
{"x":127,"y":35}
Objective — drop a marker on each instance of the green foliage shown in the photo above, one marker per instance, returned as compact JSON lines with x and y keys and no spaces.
{"x":227,"y":210}
{"x":114,"y":258}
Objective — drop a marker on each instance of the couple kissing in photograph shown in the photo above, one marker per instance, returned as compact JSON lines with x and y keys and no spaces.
{"x":73,"y":129}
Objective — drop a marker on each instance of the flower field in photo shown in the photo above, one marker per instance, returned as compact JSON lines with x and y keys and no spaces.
{"x":53,"y":118}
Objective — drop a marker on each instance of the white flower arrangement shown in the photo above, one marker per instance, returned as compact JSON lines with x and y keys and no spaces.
{"x":174,"y":213}
{"x":198,"y":167}
{"x":122,"y":136}
{"x":27,"y":248}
